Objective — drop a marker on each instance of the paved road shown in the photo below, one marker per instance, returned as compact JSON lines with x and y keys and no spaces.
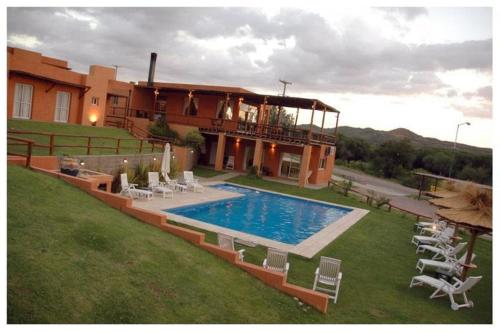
{"x":397,"y":193}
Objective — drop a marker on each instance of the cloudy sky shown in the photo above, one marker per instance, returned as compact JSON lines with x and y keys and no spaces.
{"x":425,"y":69}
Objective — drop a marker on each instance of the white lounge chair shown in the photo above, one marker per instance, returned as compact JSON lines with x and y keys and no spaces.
{"x":449,"y":265}
{"x":227,"y":242}
{"x":276,"y":261}
{"x":131,"y":191}
{"x":442,"y":251}
{"x":444,"y":288}
{"x":191,"y":182}
{"x":328,"y":273}
{"x":230,"y":163}
{"x":159,"y":187}
{"x":170,"y":182}
{"x":434,"y":228}
{"x":442,"y":236}
{"x":435,"y":223}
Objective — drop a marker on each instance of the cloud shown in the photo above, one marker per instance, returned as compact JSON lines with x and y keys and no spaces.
{"x":408,"y":13}
{"x":483,"y":110}
{"x":245,"y":47}
{"x":22,"y":40}
{"x":484,"y":93}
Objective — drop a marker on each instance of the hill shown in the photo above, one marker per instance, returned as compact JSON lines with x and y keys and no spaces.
{"x":377,"y":137}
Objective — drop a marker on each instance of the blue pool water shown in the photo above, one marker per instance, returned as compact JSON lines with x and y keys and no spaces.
{"x":273,"y":216}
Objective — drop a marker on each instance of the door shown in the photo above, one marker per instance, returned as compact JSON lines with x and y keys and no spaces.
{"x":62,"y":107}
{"x":290,"y":165}
{"x":22,"y":101}
{"x":213,"y":153}
{"x":248,"y":159}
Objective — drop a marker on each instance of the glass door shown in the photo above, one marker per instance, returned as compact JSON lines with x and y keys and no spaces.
{"x":290,"y":165}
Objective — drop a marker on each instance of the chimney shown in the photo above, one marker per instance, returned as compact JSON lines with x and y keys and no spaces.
{"x":152,"y":66}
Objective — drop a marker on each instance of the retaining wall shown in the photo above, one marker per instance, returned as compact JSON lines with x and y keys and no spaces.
{"x":276,"y":280}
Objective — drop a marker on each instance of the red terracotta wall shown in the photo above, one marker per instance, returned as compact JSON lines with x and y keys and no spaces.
{"x":44,"y":102}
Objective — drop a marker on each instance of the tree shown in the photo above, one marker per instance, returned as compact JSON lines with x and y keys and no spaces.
{"x":392,"y":157}
{"x":286,"y":120}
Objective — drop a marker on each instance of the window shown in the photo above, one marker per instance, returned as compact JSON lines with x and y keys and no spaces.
{"x":94,"y":100}
{"x":115,"y":100}
{"x":62,"y":106}
{"x":322,"y":163}
{"x":224,"y":114}
{"x":190,"y":106}
{"x":22,"y":101}
{"x":248,"y":113}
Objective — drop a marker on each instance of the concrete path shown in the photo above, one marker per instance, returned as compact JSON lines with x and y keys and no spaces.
{"x":399,"y":195}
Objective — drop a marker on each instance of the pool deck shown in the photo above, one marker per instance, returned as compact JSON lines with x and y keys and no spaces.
{"x":307,"y":248}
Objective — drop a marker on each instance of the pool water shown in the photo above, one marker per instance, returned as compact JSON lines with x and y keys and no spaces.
{"x":273,"y":216}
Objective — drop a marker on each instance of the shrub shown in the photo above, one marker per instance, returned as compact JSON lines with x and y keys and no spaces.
{"x":380,"y":201}
{"x":161,"y":128}
{"x":346,"y":186}
{"x":253,"y":172}
{"x":195,"y":140}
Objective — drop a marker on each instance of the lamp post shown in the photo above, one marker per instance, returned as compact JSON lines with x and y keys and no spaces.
{"x":455,"y":146}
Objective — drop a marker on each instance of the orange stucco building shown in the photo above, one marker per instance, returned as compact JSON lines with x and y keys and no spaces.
{"x":241,"y":128}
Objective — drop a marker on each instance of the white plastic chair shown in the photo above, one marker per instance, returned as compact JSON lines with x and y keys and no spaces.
{"x":170,"y":182}
{"x":159,"y":187}
{"x":449,"y":265}
{"x":230,"y":163}
{"x":443,"y":251}
{"x":191,"y":182}
{"x":440,"y":237}
{"x":276,"y":260}
{"x":131,"y":191}
{"x":227,"y":242}
{"x":329,"y":274}
{"x":444,"y":288}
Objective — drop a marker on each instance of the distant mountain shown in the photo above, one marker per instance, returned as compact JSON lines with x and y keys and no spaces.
{"x":377,"y":137}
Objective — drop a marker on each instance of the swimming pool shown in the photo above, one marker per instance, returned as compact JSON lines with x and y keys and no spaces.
{"x":273,"y":216}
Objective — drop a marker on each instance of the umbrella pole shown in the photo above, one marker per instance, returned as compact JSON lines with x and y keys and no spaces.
{"x":470,"y":248}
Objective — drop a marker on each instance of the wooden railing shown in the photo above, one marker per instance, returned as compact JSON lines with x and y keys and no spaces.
{"x":21,"y":141}
{"x":51,"y":146}
{"x":118,"y":117}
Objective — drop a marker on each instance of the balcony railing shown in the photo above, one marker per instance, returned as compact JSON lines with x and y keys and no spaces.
{"x":214,"y":125}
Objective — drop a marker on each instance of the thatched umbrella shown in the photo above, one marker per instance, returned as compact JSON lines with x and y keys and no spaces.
{"x":472,"y":208}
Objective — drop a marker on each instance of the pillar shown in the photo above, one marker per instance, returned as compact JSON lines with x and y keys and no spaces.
{"x":304,"y":165}
{"x":219,"y":156}
{"x":257,"y":154}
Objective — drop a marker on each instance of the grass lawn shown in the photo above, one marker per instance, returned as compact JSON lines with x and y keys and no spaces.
{"x":73,"y":259}
{"x":200,"y":171}
{"x":126,"y":147}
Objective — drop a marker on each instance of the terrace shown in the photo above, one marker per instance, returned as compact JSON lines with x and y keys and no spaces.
{"x":239,"y":113}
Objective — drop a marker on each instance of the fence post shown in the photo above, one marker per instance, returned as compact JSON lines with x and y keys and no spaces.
{"x":140,"y":146}
{"x":51,"y":144}
{"x":28,"y":158}
{"x":88,"y":145}
{"x":153,"y":147}
{"x":118,"y":146}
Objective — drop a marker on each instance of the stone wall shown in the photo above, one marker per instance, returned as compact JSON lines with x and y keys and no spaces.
{"x":110,"y":164}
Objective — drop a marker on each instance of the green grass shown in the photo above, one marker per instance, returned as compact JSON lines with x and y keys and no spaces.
{"x":200,"y":171}
{"x":126,"y":147}
{"x":73,"y":259}
{"x":378,"y":262}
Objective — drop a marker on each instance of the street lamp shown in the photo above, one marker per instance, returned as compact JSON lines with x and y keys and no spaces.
{"x":455,"y":146}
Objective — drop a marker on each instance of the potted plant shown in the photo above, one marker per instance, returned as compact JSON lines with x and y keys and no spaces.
{"x":70,"y":166}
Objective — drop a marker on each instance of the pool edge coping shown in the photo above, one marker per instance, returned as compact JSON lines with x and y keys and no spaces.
{"x":307,"y":248}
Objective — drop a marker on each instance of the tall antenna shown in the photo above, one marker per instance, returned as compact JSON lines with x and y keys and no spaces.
{"x":285,"y":83}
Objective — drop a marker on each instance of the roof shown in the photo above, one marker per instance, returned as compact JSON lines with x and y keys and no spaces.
{"x":194,"y":87}
{"x":248,"y":96}
{"x":49,"y":79}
